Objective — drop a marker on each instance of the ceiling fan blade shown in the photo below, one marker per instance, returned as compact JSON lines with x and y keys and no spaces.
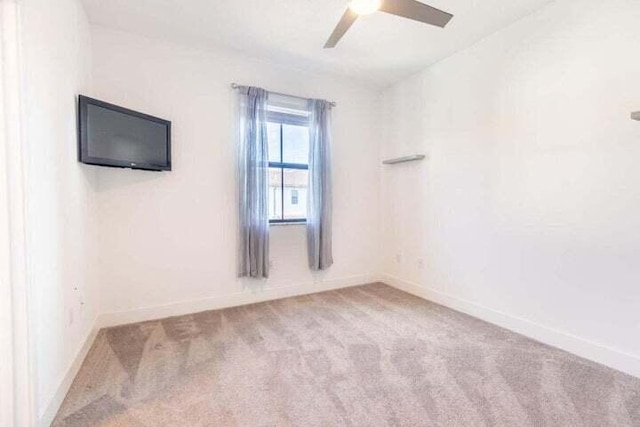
{"x":417,"y":11}
{"x":348,"y":18}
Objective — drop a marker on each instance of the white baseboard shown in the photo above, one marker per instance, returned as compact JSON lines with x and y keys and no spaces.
{"x":54,"y":404}
{"x":608,"y":356}
{"x":231,"y":300}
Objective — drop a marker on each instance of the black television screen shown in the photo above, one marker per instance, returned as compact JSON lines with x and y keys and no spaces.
{"x":115,"y":136}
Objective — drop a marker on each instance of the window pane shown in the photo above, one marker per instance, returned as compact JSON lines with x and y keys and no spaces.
{"x":273,"y":138}
{"x":275,"y":193}
{"x":295,"y":193}
{"x":295,"y":144}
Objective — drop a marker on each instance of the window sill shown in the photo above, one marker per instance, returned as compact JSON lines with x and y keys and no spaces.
{"x":287,"y":223}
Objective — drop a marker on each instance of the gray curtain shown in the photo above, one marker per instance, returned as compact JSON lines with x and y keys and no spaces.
{"x":319,"y":201}
{"x":253,"y":168}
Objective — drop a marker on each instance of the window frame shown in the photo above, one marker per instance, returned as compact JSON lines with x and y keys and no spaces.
{"x":282,"y":119}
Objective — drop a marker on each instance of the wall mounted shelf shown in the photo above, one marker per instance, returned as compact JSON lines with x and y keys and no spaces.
{"x":636,"y":116}
{"x":404,"y":159}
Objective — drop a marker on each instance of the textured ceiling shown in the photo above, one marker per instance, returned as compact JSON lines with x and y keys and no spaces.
{"x":379,"y":49}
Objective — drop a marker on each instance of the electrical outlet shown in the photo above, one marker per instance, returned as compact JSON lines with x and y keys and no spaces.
{"x":79,"y":299}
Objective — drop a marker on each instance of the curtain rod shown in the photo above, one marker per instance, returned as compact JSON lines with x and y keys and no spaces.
{"x":236,"y":86}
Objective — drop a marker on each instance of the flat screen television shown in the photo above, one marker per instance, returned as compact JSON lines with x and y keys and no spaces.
{"x":109,"y":135}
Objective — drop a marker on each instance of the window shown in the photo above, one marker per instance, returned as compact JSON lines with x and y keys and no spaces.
{"x":288,"y":138}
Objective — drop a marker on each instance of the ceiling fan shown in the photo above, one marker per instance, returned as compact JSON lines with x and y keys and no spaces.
{"x":410,"y":9}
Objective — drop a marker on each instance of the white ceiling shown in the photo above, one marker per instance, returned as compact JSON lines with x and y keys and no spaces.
{"x":379,"y":49}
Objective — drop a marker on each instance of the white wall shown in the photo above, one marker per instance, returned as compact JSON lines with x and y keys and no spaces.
{"x":59,"y":193}
{"x":169,"y":238}
{"x":529,"y":204}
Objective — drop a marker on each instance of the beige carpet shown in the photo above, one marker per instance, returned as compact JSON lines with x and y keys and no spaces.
{"x":363,"y":356}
